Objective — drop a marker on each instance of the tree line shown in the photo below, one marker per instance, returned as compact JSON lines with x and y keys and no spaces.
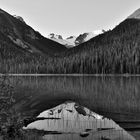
{"x":114,"y":52}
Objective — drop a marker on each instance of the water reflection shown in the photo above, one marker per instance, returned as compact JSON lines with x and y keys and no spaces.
{"x":114,"y":97}
{"x":117,"y":97}
{"x":72,"y":121}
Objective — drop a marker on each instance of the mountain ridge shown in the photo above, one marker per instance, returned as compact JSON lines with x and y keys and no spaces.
{"x":135,"y":14}
{"x":15,"y":29}
{"x":73,"y":41}
{"x":116,"y":51}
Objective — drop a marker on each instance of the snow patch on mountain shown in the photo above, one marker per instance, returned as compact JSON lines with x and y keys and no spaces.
{"x":87,"y":36}
{"x":84,"y":37}
{"x":97,"y":32}
{"x":73,"y":40}
{"x":59,"y":39}
{"x":135,"y":15}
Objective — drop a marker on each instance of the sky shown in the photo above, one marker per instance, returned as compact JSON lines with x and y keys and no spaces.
{"x":70,"y":17}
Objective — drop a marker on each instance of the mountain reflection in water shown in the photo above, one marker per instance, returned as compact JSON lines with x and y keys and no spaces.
{"x":113,"y":97}
{"x":75,"y":122}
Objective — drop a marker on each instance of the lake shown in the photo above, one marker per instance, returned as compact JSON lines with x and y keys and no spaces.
{"x":114,"y":97}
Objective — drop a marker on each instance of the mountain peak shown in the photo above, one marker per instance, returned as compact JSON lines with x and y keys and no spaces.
{"x":135,"y":15}
{"x":52,"y":35}
{"x":58,"y":38}
{"x":73,"y":40}
{"x":19,"y":18}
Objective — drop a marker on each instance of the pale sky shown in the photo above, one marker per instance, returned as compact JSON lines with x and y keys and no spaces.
{"x":70,"y":17}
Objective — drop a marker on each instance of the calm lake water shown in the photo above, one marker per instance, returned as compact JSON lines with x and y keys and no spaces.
{"x":117,"y":98}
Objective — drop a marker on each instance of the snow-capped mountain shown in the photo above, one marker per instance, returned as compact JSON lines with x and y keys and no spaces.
{"x":72,"y":40}
{"x":135,"y":15}
{"x":59,"y":39}
{"x":87,"y":36}
{"x":83,"y":38}
{"x":73,"y":120}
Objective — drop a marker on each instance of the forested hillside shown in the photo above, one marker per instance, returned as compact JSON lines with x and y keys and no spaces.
{"x":23,"y":50}
{"x":116,"y":51}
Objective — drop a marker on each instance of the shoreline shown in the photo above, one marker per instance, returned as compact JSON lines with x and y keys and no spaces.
{"x":74,"y":74}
